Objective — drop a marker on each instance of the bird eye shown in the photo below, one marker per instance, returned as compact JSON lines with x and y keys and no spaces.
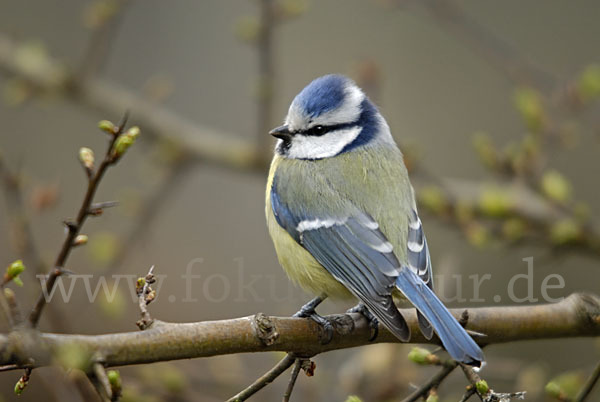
{"x":318,"y":130}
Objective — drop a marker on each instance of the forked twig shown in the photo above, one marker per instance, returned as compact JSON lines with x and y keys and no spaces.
{"x":73,"y":228}
{"x":265,"y":379}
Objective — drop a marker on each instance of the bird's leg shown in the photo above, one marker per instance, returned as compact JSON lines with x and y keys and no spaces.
{"x":371,"y":319}
{"x":309,"y":308}
{"x":308,"y":311}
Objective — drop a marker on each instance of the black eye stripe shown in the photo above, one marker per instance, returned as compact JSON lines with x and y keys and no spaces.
{"x":320,"y":130}
{"x":317,"y":131}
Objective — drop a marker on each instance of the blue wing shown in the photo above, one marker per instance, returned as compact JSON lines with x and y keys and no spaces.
{"x":356,"y":253}
{"x":419,"y":262}
{"x":417,"y":285}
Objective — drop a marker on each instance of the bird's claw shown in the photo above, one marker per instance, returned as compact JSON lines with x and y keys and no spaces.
{"x":371,"y":319}
{"x":305,"y":311}
{"x":325,"y":325}
{"x":308,"y":311}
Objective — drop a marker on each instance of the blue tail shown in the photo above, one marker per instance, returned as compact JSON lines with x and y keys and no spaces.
{"x":455,"y":339}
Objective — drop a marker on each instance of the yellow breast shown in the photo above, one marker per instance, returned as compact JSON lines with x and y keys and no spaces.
{"x":299,"y":265}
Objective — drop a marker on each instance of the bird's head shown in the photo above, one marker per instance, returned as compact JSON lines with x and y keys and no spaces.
{"x":330,"y":116}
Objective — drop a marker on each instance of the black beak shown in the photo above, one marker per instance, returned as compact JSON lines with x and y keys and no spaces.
{"x":281,"y":132}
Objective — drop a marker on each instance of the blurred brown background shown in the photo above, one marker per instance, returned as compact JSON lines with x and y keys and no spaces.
{"x":435,"y":84}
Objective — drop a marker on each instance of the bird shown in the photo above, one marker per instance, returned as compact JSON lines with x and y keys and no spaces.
{"x":342,"y":215}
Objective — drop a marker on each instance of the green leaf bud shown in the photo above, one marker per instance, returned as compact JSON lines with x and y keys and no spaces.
{"x":482,"y":387}
{"x":107,"y":126}
{"x":86,"y":157}
{"x":556,"y":187}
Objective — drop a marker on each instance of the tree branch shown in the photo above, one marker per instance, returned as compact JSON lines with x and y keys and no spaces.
{"x":498,"y":53}
{"x":74,"y":227}
{"x":576,"y":316}
{"x":538,"y":212}
{"x":206,"y":143}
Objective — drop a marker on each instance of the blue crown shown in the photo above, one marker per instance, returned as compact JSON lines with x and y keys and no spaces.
{"x":322,"y":95}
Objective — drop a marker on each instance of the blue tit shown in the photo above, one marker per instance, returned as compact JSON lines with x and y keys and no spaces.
{"x":341,"y":212}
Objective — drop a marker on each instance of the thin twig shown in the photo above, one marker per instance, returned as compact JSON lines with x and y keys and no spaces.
{"x":487,"y":45}
{"x":15,"y":313}
{"x":213,"y":146}
{"x":589,"y":385}
{"x":470,"y":392}
{"x":5,"y":307}
{"x":473,"y":379}
{"x":75,"y":227}
{"x":293,"y":378}
{"x":433,"y":382}
{"x":264,"y":380}
{"x":266,"y":71}
{"x":10,"y":367}
{"x":100,"y":43}
{"x":99,"y":379}
{"x":490,"y":395}
{"x":98,"y":207}
{"x":13,"y":191}
{"x":144,"y":299}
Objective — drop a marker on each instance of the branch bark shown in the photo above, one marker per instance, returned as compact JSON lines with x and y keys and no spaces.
{"x":576,"y":316}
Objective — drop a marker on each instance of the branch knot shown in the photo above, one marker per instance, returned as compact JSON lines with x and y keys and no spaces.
{"x":265,"y":329}
{"x":590,"y":309}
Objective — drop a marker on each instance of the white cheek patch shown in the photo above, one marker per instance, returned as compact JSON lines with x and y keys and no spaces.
{"x":325,"y":146}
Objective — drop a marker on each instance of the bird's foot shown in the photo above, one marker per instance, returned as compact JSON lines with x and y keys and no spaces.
{"x":308,"y":311}
{"x":371,"y":319}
